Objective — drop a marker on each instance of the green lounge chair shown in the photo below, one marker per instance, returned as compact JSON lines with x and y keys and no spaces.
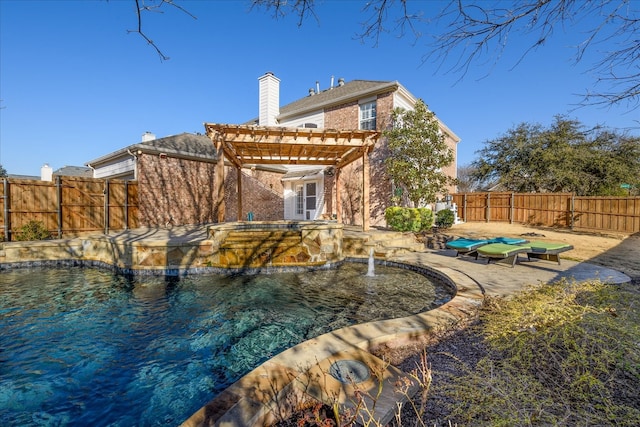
{"x":549,"y":251}
{"x":502,"y":252}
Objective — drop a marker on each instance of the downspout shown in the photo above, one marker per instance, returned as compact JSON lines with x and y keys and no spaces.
{"x":135,"y":163}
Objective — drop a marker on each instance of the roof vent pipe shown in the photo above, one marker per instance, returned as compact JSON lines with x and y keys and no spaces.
{"x":317,"y":86}
{"x":331,"y":82}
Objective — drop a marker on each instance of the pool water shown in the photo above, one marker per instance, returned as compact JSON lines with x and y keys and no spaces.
{"x":83,"y":346}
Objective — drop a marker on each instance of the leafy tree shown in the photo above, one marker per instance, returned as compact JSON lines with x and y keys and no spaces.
{"x":3,"y":172}
{"x":563,"y":158}
{"x":418,"y":152}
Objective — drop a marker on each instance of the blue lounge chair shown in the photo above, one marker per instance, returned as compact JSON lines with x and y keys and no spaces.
{"x":469,"y":246}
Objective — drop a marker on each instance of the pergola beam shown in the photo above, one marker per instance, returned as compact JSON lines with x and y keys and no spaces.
{"x":256,"y":145}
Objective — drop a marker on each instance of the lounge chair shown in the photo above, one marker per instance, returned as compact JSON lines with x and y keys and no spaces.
{"x":470,"y":246}
{"x":502,"y":252}
{"x":549,"y":251}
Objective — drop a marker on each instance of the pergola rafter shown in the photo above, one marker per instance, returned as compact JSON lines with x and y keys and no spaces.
{"x":269,"y":145}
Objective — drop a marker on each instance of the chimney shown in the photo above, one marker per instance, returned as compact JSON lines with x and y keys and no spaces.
{"x":46,"y":173}
{"x":148,"y":136}
{"x":311,"y":91}
{"x":340,"y":81}
{"x":269,"y":102}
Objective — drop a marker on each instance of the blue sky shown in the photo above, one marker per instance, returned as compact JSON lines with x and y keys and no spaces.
{"x":75,"y":85}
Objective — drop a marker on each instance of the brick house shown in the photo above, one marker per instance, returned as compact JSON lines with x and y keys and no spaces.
{"x":359,"y":104}
{"x":177,"y":179}
{"x":175,"y":176}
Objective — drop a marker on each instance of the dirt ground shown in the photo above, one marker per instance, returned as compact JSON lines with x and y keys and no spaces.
{"x":617,"y":251}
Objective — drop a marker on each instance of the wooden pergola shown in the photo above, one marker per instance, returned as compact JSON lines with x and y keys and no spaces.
{"x":270,"y":145}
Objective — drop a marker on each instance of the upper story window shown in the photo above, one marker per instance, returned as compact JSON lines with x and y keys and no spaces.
{"x":368,"y":116}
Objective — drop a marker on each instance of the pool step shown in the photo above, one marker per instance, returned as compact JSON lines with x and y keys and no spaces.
{"x":258,"y":248}
{"x":260,"y":239}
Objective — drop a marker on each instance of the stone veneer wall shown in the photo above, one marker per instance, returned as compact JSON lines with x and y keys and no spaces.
{"x":237,"y":246}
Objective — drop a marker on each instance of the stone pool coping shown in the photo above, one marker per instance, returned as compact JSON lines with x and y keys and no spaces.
{"x":274,"y":389}
{"x":279,"y":386}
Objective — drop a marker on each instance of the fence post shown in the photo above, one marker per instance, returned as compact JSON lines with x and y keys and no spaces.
{"x":511,"y":202}
{"x":126,"y":205}
{"x":59,"y":195}
{"x":106,"y":206}
{"x":7,"y":210}
{"x":488,"y":213}
{"x":464,"y":205}
{"x":573,"y":207}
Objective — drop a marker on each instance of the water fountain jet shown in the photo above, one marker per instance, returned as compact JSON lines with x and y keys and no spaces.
{"x":371,"y":270}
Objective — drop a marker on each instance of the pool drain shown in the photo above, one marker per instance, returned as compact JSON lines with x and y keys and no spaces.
{"x":349,"y":371}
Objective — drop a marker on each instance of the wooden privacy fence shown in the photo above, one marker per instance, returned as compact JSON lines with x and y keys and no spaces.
{"x":68,"y":205}
{"x":616,"y":214}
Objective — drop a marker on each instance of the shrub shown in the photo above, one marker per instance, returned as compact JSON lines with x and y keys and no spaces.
{"x":426,"y":218}
{"x":408,"y":219}
{"x":33,"y":230}
{"x":444,"y":218}
{"x":564,"y":353}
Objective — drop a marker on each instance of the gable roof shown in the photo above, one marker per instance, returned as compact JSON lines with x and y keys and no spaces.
{"x":185,"y":145}
{"x":353,"y":90}
{"x":80,"y":171}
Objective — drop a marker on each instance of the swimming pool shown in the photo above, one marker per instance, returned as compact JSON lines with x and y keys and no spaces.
{"x":82,"y":346}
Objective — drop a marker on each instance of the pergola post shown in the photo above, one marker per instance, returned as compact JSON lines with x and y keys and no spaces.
{"x":338,"y":200}
{"x":365,"y":191}
{"x":220,"y":179}
{"x":239,"y":174}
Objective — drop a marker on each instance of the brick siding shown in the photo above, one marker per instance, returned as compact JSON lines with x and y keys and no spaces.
{"x":176,"y":191}
{"x":262,"y":194}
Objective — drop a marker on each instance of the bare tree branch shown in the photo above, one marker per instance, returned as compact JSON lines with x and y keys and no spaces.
{"x":143,"y":6}
{"x":476,"y":31}
{"x":281,"y":8}
{"x":479,"y":32}
{"x":374,"y":25}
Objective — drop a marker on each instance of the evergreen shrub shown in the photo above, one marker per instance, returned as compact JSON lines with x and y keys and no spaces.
{"x":408,"y":219}
{"x":444,"y":218}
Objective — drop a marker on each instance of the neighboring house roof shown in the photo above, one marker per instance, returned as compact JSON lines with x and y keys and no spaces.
{"x":74,"y":171}
{"x":17,"y":176}
{"x":185,"y":145}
